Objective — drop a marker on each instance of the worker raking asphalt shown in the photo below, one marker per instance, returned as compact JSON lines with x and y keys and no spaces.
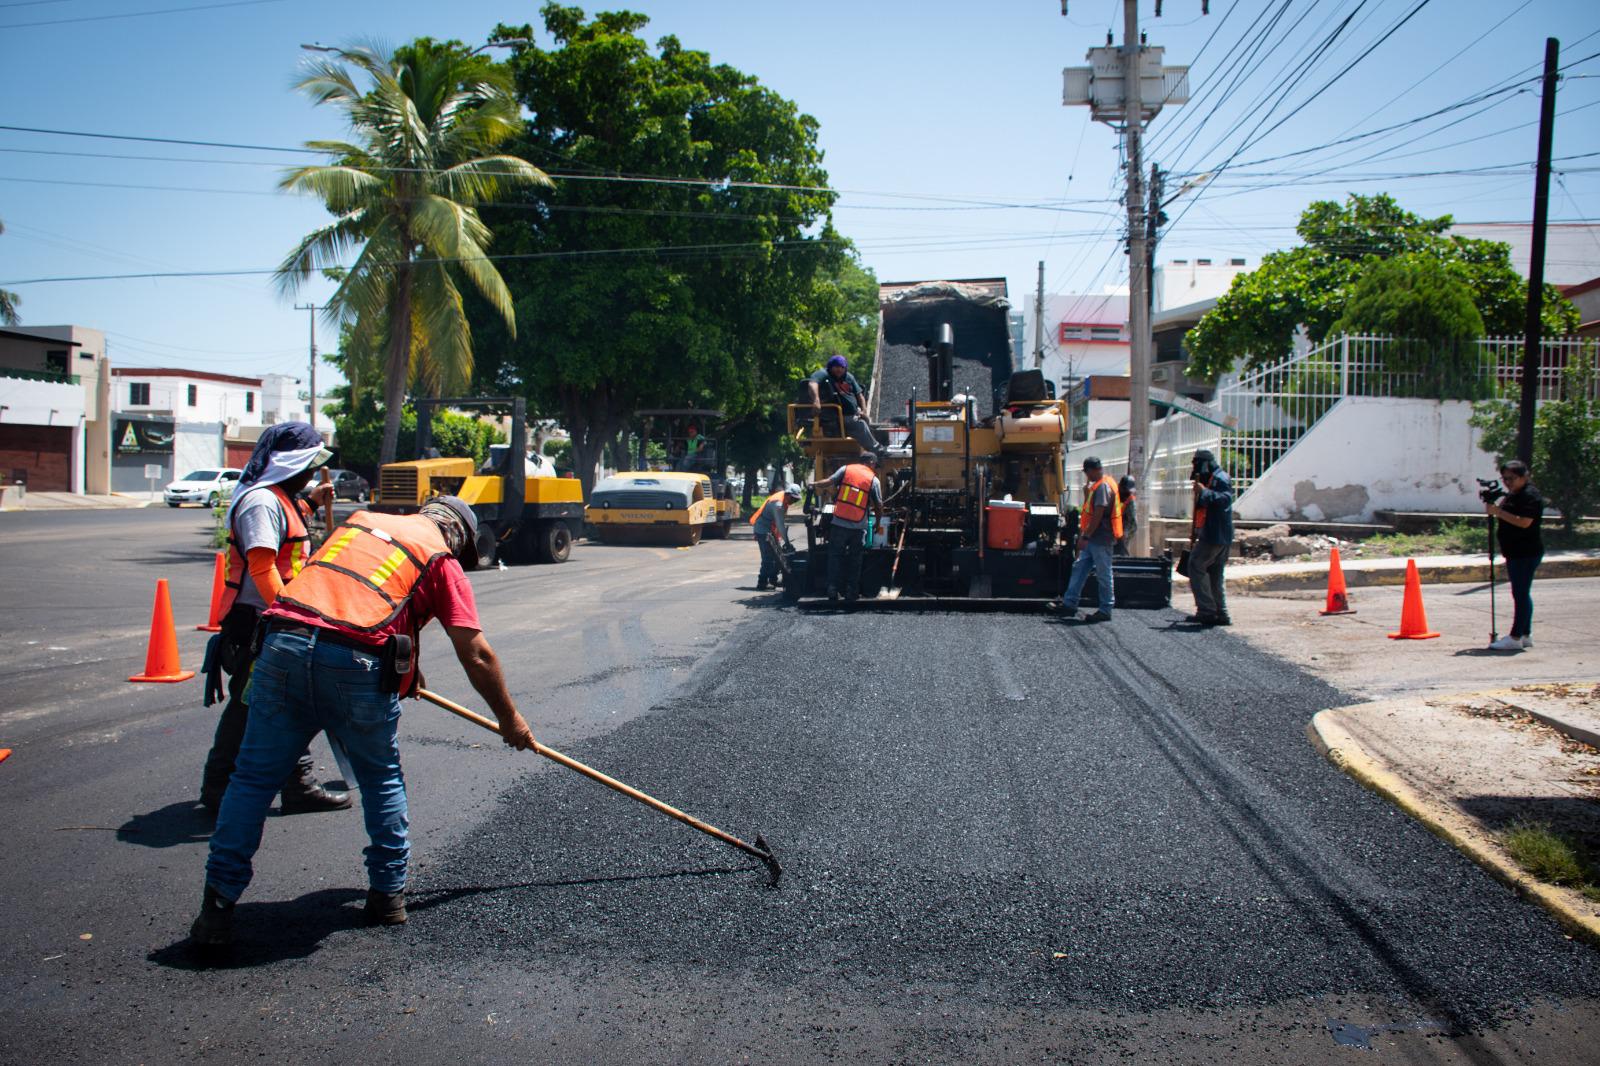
{"x":1124,"y":815}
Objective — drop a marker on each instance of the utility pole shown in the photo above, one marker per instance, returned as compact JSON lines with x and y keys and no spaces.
{"x":312,"y":318}
{"x":1155,"y":218}
{"x":1113,"y":88}
{"x":1138,"y":279}
{"x":1038,"y":322}
{"x":1533,"y":329}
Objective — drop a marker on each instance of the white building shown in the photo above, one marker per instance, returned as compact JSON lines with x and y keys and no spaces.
{"x":1085,"y":335}
{"x":1179,"y":282}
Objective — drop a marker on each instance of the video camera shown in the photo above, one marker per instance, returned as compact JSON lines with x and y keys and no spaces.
{"x":1489,"y":490}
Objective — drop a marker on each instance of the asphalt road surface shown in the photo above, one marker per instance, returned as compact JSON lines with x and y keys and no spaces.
{"x":1006,"y":838}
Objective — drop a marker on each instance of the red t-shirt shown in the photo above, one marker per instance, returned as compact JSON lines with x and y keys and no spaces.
{"x":443,"y":593}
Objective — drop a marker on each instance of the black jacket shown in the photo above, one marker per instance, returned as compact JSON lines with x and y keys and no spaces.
{"x":1515,"y":542}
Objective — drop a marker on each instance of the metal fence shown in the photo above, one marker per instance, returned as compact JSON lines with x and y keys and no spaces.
{"x":1274,"y":406}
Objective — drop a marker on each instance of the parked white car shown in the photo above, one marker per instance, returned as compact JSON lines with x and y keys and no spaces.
{"x":206,"y":487}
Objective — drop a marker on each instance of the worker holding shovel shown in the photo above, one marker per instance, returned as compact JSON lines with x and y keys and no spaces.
{"x":772,"y":532}
{"x":339,"y":650}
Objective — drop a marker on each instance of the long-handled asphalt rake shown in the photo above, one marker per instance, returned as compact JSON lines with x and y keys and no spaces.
{"x":760,"y":849}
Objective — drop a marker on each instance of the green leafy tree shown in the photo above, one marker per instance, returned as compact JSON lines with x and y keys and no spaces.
{"x":848,"y":298}
{"x":1427,"y":308}
{"x":1566,"y":439}
{"x":709,"y":292}
{"x":360,"y":436}
{"x":406,"y":194}
{"x":1254,"y":322}
{"x":8,"y":301}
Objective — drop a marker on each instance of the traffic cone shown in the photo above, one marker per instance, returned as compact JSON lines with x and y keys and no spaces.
{"x":1338,"y":601}
{"x":1413,"y":619}
{"x":214,"y":619}
{"x":161,"y":661}
{"x":5,"y":753}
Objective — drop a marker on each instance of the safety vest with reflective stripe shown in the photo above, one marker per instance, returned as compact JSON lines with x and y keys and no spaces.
{"x":1116,"y":507}
{"x":855,"y":490}
{"x":365,"y":573}
{"x":775,"y":496}
{"x":291,"y":553}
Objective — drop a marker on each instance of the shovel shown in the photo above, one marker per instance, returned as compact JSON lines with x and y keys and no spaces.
{"x":760,"y":849}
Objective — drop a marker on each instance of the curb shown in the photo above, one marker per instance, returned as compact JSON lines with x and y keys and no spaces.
{"x":1340,"y":748}
{"x":1446,"y":574}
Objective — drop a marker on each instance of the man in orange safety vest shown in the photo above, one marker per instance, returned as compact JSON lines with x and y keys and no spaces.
{"x":856,"y":490}
{"x":1099,"y":528}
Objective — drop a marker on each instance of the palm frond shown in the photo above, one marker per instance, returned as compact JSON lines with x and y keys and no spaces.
{"x":482,"y":180}
{"x":442,"y":321}
{"x":342,"y":189}
{"x":327,"y":246}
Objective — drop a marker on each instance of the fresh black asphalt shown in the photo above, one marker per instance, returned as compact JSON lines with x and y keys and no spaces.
{"x":1124,"y":815}
{"x":1006,"y":838}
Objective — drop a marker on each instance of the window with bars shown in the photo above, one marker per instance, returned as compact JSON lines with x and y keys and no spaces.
{"x":139,"y":393}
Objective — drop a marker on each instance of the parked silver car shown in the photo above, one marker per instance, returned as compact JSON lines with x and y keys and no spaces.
{"x":207,"y":487}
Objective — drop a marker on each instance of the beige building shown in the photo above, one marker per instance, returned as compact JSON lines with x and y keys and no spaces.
{"x":55,"y":409}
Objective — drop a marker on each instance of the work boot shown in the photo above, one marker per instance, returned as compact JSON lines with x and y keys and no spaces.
{"x":214,"y":927}
{"x":386,"y":908}
{"x":1099,"y":616}
{"x":1221,"y":620}
{"x":1199,"y":618}
{"x":762,"y":584}
{"x":833,"y":595}
{"x":308,"y":797}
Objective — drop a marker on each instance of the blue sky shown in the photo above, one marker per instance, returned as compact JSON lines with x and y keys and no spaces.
{"x":931,"y":112}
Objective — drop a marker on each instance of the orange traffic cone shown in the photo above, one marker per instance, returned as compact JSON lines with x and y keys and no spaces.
{"x":1338,"y":601}
{"x":161,"y":661}
{"x":5,"y":753}
{"x":214,"y":619}
{"x":1413,"y":619}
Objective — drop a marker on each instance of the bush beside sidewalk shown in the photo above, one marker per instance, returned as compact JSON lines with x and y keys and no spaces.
{"x":1473,"y":767}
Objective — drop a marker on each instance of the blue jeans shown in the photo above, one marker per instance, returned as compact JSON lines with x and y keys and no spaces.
{"x":301,"y":685}
{"x":1520,"y":573}
{"x":1095,"y":557}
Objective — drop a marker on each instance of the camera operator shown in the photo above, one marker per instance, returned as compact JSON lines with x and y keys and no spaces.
{"x":1519,"y":511}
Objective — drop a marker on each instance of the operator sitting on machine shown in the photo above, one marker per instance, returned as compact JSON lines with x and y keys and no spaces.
{"x":834,"y":384}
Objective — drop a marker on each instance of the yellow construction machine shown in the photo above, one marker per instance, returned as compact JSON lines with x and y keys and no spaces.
{"x":973,"y":469}
{"x":673,"y":500}
{"x":523,"y":517}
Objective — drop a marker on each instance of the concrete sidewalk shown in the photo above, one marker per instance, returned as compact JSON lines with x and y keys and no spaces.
{"x":1471,"y":765}
{"x":72,"y":501}
{"x":1246,"y":578}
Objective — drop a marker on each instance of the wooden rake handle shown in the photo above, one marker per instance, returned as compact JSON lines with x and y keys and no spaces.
{"x":763,"y":853}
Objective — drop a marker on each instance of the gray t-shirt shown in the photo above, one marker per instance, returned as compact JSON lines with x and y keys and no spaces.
{"x":257,"y":523}
{"x":877,"y":497}
{"x":771,"y":519}
{"x":1102,"y":499}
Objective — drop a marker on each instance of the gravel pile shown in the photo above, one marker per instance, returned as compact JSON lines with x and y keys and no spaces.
{"x":982,"y":355}
{"x":999,"y":807}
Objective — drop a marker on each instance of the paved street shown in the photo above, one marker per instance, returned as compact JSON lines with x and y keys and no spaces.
{"x":1006,"y":838}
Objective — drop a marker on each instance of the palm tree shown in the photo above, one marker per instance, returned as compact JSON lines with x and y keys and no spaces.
{"x":406,"y":196}
{"x":8,"y":301}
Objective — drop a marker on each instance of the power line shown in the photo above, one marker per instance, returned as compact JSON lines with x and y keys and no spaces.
{"x":136,"y":14}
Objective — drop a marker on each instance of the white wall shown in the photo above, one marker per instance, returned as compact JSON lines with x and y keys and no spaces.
{"x":215,"y":401}
{"x":1371,"y":454}
{"x":196,"y":446}
{"x":1179,"y":284}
